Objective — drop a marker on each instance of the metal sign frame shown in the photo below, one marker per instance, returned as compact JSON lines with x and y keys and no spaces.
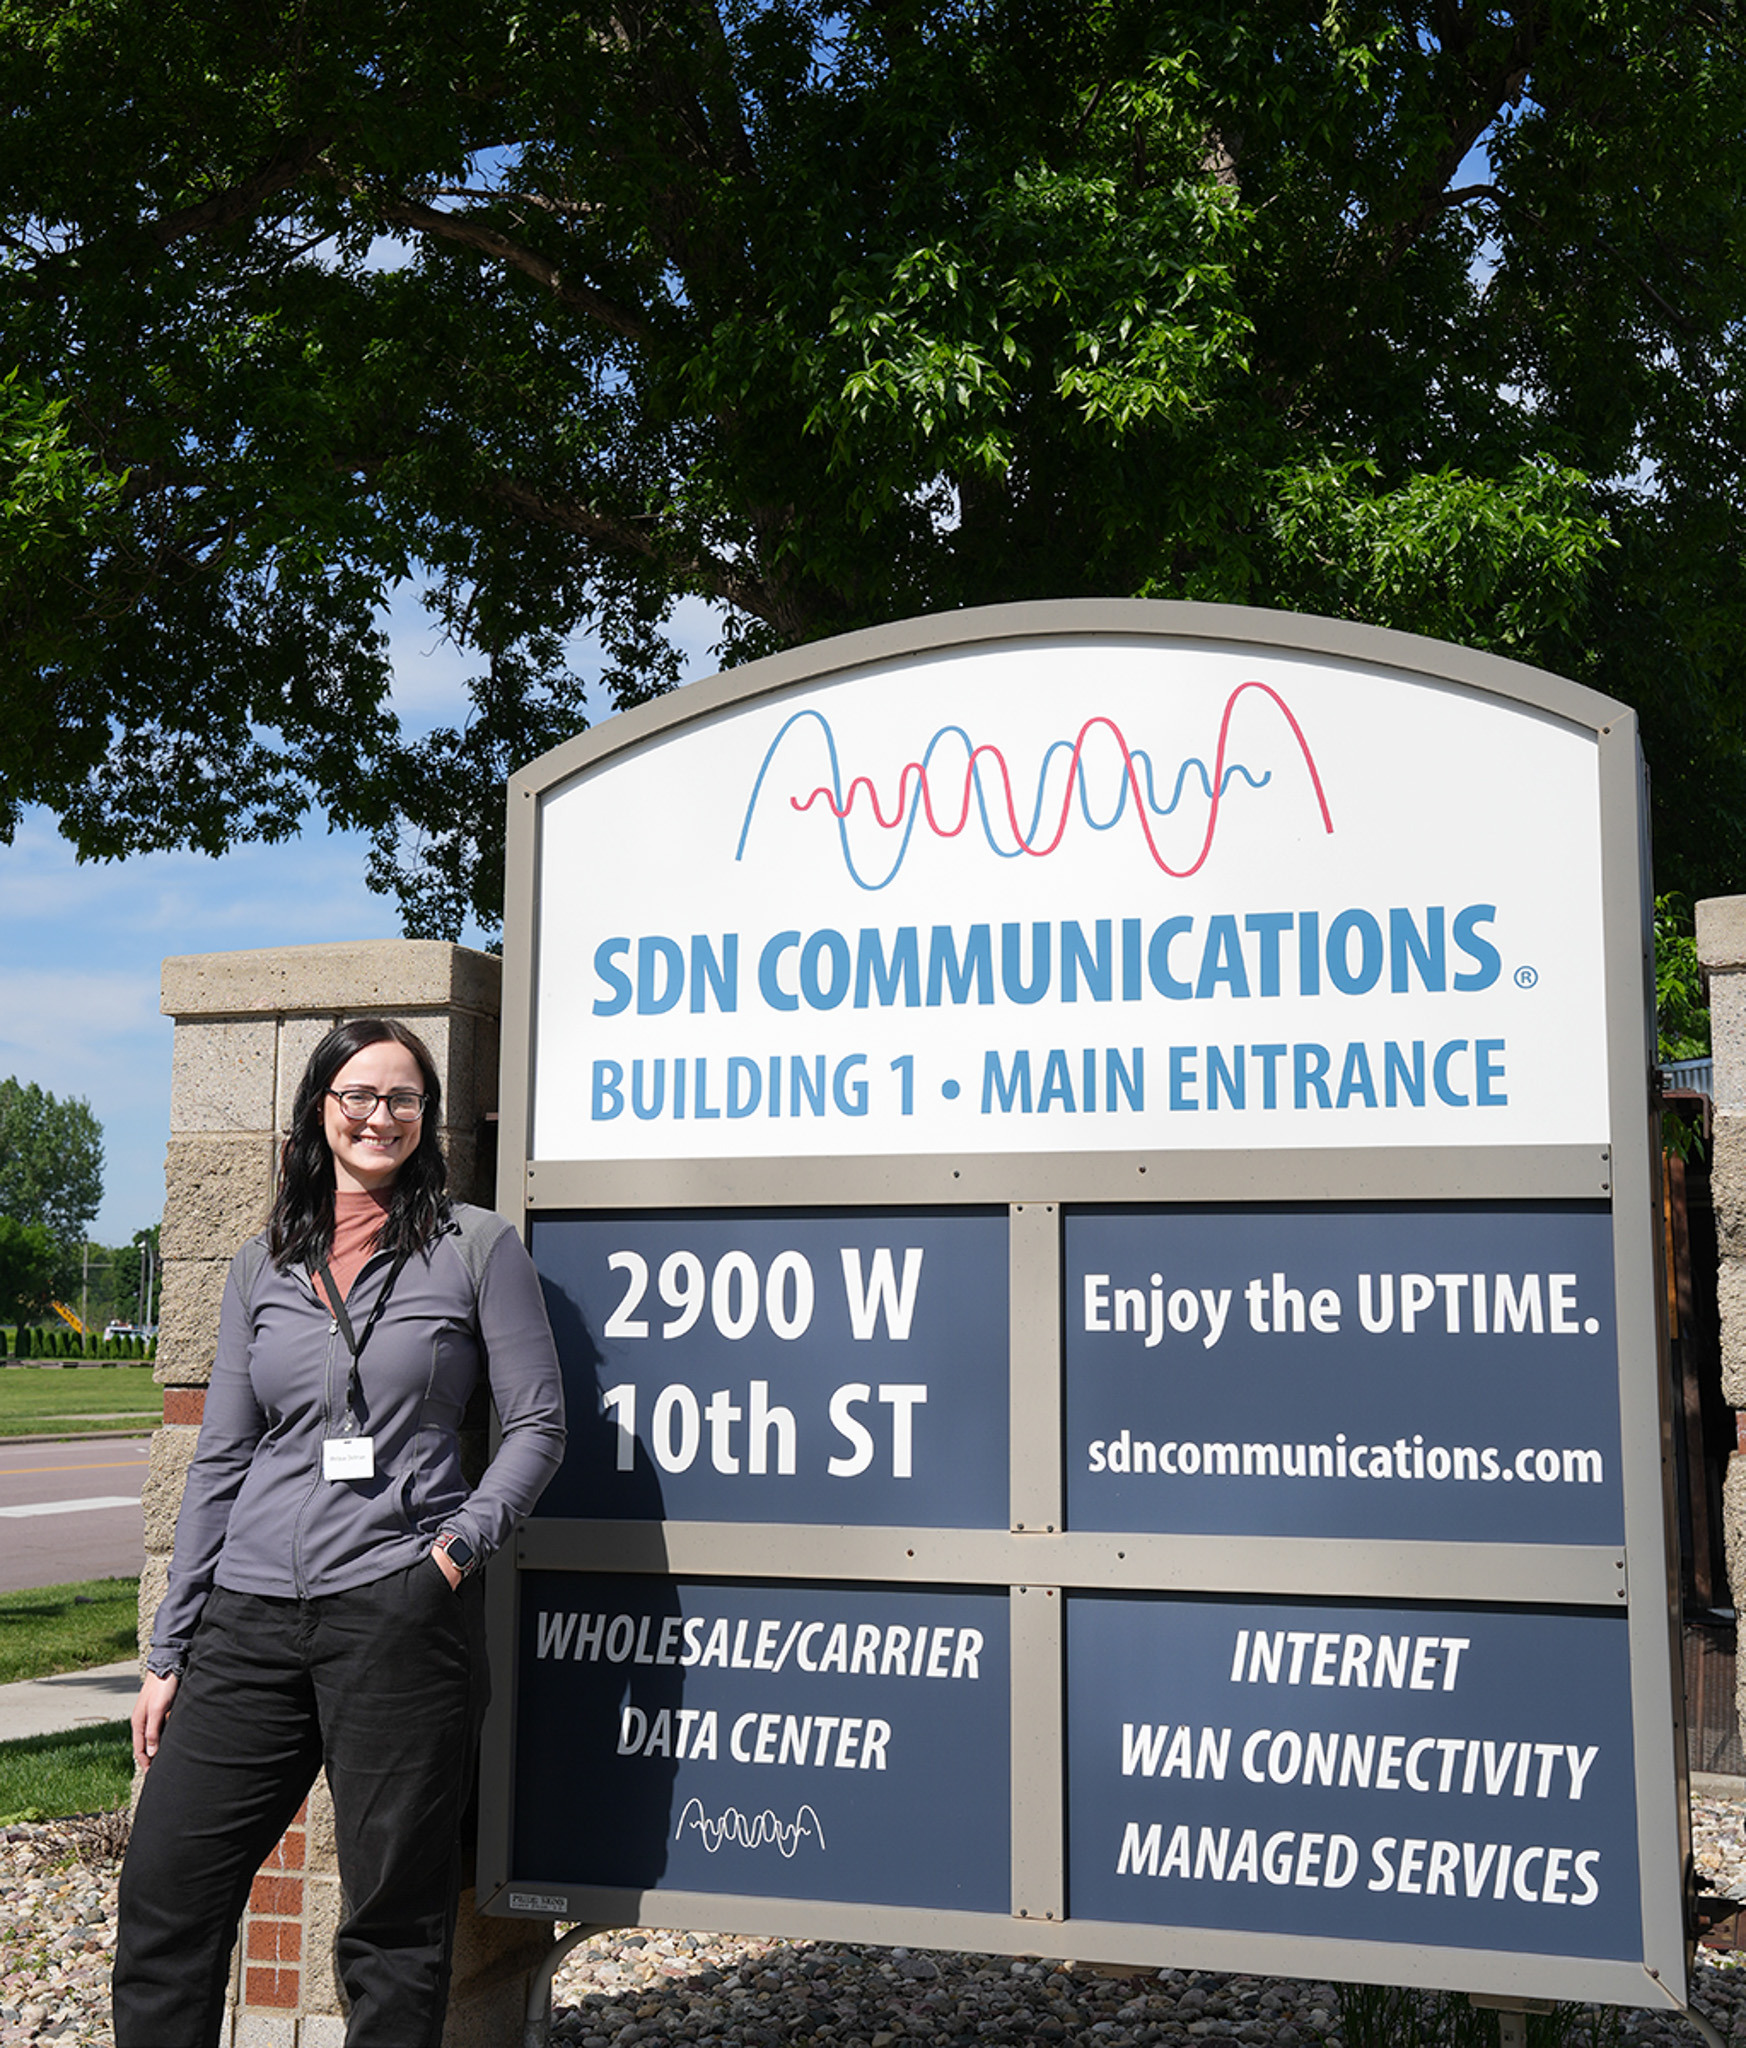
{"x":1038,"y":1559}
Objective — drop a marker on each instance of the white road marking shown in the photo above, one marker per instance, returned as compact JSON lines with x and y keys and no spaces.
{"x":73,"y":1507}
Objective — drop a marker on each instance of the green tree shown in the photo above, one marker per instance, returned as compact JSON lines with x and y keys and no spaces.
{"x":29,"y":1260}
{"x":113,"y":1280}
{"x":51,"y":1167}
{"x":1682,"y":1013}
{"x":1682,"y":1010}
{"x":831,"y":313}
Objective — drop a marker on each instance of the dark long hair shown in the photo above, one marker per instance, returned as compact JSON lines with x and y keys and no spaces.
{"x":300,"y":1230}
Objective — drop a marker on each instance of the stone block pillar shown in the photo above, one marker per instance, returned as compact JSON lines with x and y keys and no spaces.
{"x":1721,"y":940}
{"x":245,"y":1026}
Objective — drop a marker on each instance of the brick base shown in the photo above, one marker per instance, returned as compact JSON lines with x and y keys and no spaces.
{"x":273,"y":1927}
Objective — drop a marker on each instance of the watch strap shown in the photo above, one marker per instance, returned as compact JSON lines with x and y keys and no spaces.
{"x":463,"y":1555}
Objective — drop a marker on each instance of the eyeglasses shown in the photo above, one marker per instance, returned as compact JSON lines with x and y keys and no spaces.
{"x":405,"y":1105}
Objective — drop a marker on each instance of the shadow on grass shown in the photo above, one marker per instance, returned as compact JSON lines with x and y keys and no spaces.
{"x":82,"y":1770}
{"x":67,"y":1628}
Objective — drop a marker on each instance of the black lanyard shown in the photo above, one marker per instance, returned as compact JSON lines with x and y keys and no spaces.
{"x":355,"y":1345}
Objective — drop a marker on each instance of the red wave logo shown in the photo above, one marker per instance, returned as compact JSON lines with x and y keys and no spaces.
{"x":916,"y":793}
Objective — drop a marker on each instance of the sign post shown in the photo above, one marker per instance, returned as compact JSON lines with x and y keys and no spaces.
{"x":1092,"y":1166}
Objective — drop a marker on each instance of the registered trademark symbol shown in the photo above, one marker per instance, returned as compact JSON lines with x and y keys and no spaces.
{"x":1527,"y":976}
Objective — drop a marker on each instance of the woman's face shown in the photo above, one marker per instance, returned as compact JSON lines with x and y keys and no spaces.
{"x":368,"y":1151}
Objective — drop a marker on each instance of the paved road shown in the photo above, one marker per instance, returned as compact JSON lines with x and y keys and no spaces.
{"x":70,"y":1511}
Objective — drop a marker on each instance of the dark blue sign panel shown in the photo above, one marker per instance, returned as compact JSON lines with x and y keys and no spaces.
{"x":1444,"y":1372}
{"x":802,"y":1742}
{"x":1451,"y":1776}
{"x":821,"y":1367}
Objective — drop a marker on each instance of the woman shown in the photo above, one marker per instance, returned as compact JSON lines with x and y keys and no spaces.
{"x":324,"y":1605}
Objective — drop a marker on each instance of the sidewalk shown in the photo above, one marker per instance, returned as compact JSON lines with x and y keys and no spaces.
{"x":76,"y":1699}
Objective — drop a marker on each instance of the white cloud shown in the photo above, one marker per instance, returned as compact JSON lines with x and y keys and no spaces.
{"x":71,"y":1018}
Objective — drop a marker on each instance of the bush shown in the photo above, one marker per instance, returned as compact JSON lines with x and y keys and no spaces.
{"x":1373,"y":2016}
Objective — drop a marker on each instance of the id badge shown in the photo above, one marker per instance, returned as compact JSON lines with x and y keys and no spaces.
{"x":348,"y":1457}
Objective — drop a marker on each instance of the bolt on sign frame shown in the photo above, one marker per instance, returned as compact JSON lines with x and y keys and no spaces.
{"x":1092,"y":1162}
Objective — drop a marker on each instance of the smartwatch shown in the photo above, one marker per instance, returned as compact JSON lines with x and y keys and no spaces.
{"x":459,"y":1552}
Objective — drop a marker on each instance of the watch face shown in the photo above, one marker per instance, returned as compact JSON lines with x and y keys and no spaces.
{"x":459,"y":1550}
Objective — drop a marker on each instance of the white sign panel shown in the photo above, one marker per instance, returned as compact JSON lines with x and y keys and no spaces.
{"x":1076,"y":894}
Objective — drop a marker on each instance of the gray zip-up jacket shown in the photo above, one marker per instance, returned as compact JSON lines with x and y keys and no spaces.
{"x":258,"y":1517}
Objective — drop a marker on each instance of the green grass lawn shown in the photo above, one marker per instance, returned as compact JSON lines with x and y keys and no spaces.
{"x":75,"y":1399}
{"x":67,"y":1628}
{"x":86,"y":1770}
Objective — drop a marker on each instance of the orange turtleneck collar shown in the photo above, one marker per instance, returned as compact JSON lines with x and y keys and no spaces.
{"x":357,"y":1223}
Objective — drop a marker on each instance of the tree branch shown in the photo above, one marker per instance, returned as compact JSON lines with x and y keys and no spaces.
{"x":726,"y":108}
{"x":238,"y":202}
{"x":1373,"y":250}
{"x":565,"y":209}
{"x":468,"y":233}
{"x":543,"y":202}
{"x":571,"y":515}
{"x":1685,"y":324}
{"x":688,"y":95}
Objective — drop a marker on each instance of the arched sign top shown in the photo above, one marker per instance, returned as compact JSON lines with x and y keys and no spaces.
{"x":1055,"y":877}
{"x":1409,"y":655}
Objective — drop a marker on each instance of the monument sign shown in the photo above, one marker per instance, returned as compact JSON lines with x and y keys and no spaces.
{"x":1092,"y":1164}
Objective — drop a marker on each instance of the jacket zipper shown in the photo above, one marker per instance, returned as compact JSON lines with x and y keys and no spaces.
{"x":327,"y":1420}
{"x":315,"y":1482}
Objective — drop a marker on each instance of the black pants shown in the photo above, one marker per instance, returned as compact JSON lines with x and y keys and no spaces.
{"x":385,"y":1685}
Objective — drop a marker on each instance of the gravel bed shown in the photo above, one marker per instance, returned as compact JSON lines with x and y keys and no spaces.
{"x":57,"y":1928}
{"x":659,"y":1990}
{"x":651,"y":1989}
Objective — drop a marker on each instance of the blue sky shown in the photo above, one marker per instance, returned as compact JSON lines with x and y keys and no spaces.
{"x":82,"y":946}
